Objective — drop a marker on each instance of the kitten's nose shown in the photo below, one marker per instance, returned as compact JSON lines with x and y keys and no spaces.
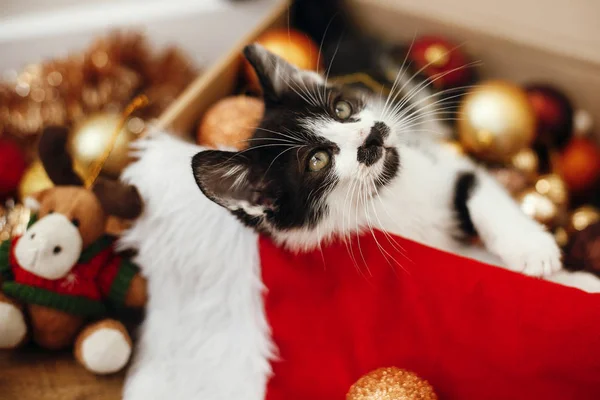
{"x":372,"y":149}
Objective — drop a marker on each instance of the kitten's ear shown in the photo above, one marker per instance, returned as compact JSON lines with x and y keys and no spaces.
{"x":277,"y":76}
{"x":223,"y":177}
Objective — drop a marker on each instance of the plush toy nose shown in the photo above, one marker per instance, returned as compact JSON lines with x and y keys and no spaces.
{"x":50,"y":247}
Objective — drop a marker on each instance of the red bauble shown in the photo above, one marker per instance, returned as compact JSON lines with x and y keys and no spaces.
{"x":12,"y":166}
{"x":293,"y":46}
{"x":441,"y":60}
{"x":554,"y":114}
{"x":580,"y":164}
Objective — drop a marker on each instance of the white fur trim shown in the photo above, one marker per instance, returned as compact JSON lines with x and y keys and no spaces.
{"x":105,"y":351}
{"x":50,"y":247}
{"x":12,"y":326}
{"x":205,"y":335}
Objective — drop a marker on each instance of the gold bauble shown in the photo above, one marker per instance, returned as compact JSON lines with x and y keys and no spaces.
{"x":538,"y":207}
{"x":527,"y":162}
{"x":583,"y":217}
{"x":561,"y":236}
{"x":13,"y":220}
{"x":496,"y":120}
{"x":553,"y":187}
{"x":391,"y":384}
{"x":34,"y":180}
{"x":90,"y":138}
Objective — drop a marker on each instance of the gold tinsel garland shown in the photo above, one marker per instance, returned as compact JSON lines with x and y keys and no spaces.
{"x":105,"y":77}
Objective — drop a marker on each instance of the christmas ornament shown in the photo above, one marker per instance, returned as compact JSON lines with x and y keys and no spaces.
{"x":90,"y":138}
{"x":291,"y":45}
{"x":391,"y":384}
{"x":103,"y":78}
{"x":34,"y":180}
{"x":580,"y":164}
{"x":561,"y":236}
{"x":12,"y":166}
{"x":441,"y":61}
{"x":527,"y":162}
{"x":496,"y":121}
{"x":230,"y":122}
{"x":584,"y":251}
{"x":553,"y":187}
{"x":13,"y":219}
{"x":538,"y":207}
{"x":583,"y":217}
{"x":554,"y":114}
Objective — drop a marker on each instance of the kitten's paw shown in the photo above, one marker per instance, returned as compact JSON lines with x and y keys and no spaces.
{"x":534,"y":253}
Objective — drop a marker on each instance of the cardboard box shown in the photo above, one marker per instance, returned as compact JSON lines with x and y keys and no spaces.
{"x":506,"y":56}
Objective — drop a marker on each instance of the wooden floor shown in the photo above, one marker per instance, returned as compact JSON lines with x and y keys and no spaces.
{"x":34,"y":374}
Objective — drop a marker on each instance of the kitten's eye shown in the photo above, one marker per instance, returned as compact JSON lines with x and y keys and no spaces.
{"x":318,"y":161}
{"x":343,"y":110}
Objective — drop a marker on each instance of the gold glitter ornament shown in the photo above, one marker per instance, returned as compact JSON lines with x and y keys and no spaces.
{"x":391,"y":384}
{"x":527,"y":162}
{"x":13,"y":219}
{"x":539,"y":207}
{"x":561,"y":236}
{"x":553,"y":187}
{"x":496,"y":121}
{"x":583,"y":217}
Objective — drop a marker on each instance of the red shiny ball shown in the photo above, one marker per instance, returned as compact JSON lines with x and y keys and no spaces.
{"x":554,"y":114}
{"x":441,"y":61}
{"x":12,"y":167}
{"x":580,"y":164}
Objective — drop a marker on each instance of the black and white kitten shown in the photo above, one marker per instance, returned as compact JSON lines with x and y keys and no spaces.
{"x":329,"y":162}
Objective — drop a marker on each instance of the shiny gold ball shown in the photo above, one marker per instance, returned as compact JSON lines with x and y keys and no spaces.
{"x":527,"y":162}
{"x":553,"y":187}
{"x":34,"y":180}
{"x":391,"y":384}
{"x":496,"y":121}
{"x":583,"y":217}
{"x":561,"y":236}
{"x":90,"y":138}
{"x":538,"y":207}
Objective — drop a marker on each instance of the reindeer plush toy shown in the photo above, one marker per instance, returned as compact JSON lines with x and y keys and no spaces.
{"x":63,"y":271}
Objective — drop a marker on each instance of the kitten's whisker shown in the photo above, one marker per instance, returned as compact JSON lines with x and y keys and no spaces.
{"x":401,"y":250}
{"x":361,"y":199}
{"x":279,"y":155}
{"x":413,"y":106}
{"x":337,"y":47}
{"x":294,"y":138}
{"x":421,"y":70}
{"x":351,"y":190}
{"x":428,"y":82}
{"x":382,"y":250}
{"x":399,"y":76}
